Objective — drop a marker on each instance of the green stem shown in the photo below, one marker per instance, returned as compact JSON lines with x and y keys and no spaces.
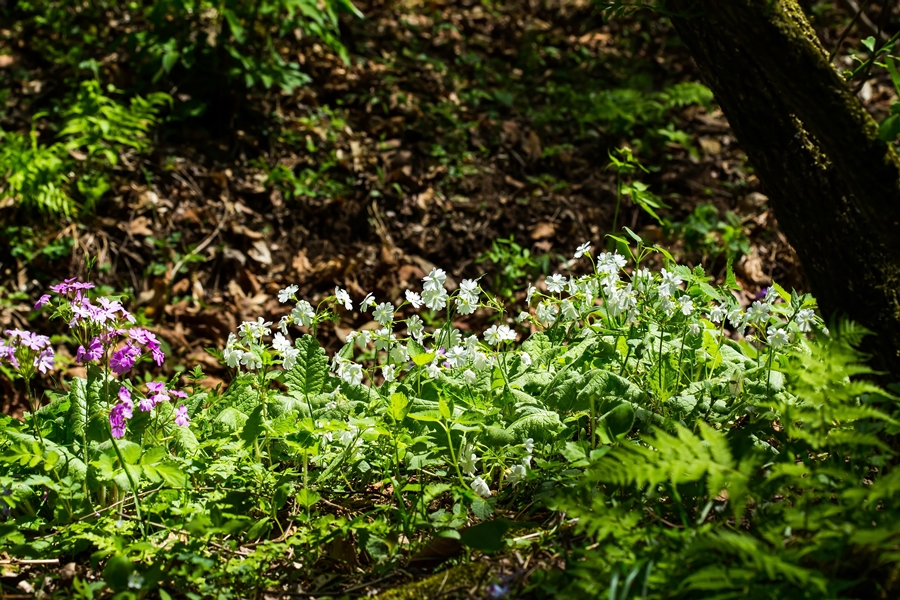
{"x":134,"y":492}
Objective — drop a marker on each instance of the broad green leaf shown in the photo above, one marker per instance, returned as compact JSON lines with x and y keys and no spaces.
{"x":307,"y":377}
{"x":615,"y":423}
{"x":603,"y":387}
{"x":541,"y":426}
{"x":231,"y":419}
{"x":496,"y":437}
{"x":254,"y":426}
{"x":487,"y":536}
{"x":399,"y":407}
{"x":307,"y":498}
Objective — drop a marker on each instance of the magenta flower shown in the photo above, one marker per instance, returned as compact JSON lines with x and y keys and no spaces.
{"x":149,"y":341}
{"x":43,"y":300}
{"x":159,"y":392}
{"x":44,"y":361}
{"x":123,"y":359}
{"x":145,"y":404}
{"x":181,"y":417}
{"x":178,"y":394}
{"x":93,"y":352}
{"x":69,"y":285}
{"x":117,"y":420}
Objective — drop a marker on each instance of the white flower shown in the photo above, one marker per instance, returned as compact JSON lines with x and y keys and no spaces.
{"x":610,"y":263}
{"x":465,"y":305}
{"x":469,"y":376}
{"x":233,"y":357}
{"x":251,"y":361}
{"x":495,"y":335}
{"x":280,"y":343}
{"x":384,"y":313}
{"x":641,"y":280}
{"x":482,"y":361}
{"x":415,"y":327}
{"x":670,"y":282}
{"x":556,"y":283}
{"x":771,"y":295}
{"x":435,"y":280}
{"x":283,"y":323}
{"x":135,"y":581}
{"x":467,"y":460}
{"x":619,"y":301}
{"x":583,"y":249}
{"x":530,"y":294}
{"x":330,"y":405}
{"x":546,"y":312}
{"x":736,"y":318}
{"x":348,"y":435}
{"x":517,"y":473}
{"x":526,"y":359}
{"x":694,"y":328}
{"x":481,"y":488}
{"x":383,"y":339}
{"x":759,"y":311}
{"x":447,"y":337}
{"x":523,"y":316}
{"x":289,"y":358}
{"x":456,"y":356}
{"x":253,"y":331}
{"x":687,"y":306}
{"x":777,"y":337}
{"x":399,"y":354}
{"x":433,"y":370}
{"x":368,"y":301}
{"x":232,"y":340}
{"x":387,"y":372}
{"x":287,"y":293}
{"x":303,"y":313}
{"x":666,"y":305}
{"x":414,"y":299}
{"x":529,"y":445}
{"x":435,"y":299}
{"x":568,"y":311}
{"x":342,"y":297}
{"x":718,"y":313}
{"x":804,"y":319}
{"x":469,"y":287}
{"x":352,"y":373}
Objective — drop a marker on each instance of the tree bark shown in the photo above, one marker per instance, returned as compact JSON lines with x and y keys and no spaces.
{"x":834,"y":186}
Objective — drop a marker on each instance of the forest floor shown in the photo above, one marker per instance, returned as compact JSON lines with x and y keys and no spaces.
{"x":455,"y":125}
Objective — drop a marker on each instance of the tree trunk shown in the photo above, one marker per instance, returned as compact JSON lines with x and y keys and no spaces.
{"x":834,"y":186}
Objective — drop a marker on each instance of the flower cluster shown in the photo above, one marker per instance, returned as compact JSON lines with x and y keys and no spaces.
{"x":27,"y":352}
{"x":157,"y":393}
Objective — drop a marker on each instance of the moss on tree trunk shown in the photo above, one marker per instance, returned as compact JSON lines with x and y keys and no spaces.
{"x":834,"y":186}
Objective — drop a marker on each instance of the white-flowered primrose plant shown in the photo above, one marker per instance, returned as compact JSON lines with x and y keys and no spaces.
{"x":446,"y":424}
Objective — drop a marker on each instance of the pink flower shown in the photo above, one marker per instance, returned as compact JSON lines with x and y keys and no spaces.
{"x":117,"y":420}
{"x":123,"y":360}
{"x":125,"y":400}
{"x":44,"y":361}
{"x":145,"y":404}
{"x":42,"y":301}
{"x":178,"y":394}
{"x":159,"y":392}
{"x":94,"y":351}
{"x":181,"y":417}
